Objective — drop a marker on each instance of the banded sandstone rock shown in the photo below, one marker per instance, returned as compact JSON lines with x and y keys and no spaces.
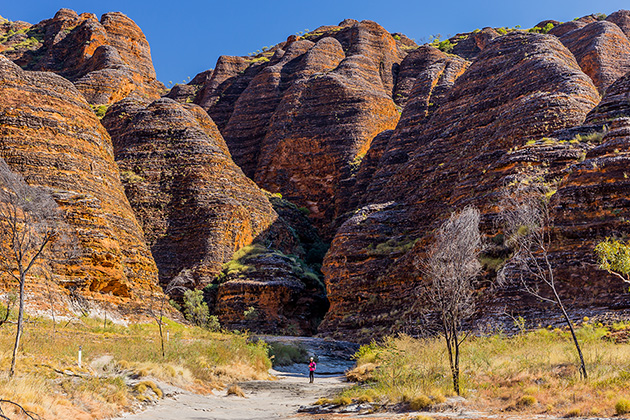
{"x":254,"y":100}
{"x":615,"y":104}
{"x":195,"y":205}
{"x":521,"y":87}
{"x":621,"y":18}
{"x":469,"y":45}
{"x":321,"y":129}
{"x":602,"y":50}
{"x":107,"y":60}
{"x":50,"y":135}
{"x":198,"y":209}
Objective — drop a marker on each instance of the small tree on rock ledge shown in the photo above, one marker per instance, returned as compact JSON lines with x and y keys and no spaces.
{"x":452,"y":265}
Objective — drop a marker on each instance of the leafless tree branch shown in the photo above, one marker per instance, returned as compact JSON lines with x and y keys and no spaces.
{"x":452,"y":265}
{"x":526,"y":219}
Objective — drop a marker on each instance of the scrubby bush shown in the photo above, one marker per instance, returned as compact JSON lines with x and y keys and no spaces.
{"x":195,"y":308}
{"x":287,"y":354}
{"x":527,"y":401}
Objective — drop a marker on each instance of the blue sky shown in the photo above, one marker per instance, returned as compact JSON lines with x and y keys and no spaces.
{"x":187,"y":37}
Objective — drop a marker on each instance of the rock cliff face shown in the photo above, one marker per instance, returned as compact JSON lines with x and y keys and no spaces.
{"x":195,"y":205}
{"x":107,"y":60}
{"x":373,"y":139}
{"x":50,"y":135}
{"x":309,"y":149}
{"x":469,"y":45}
{"x":197,"y":209}
{"x":326,"y":94}
{"x":621,"y":18}
{"x":492,"y":108}
{"x":602,"y":50}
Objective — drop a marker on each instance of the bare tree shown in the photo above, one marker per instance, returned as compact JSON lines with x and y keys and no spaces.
{"x":452,"y":265}
{"x":158,"y":301}
{"x":526,"y":220}
{"x":28,"y":223}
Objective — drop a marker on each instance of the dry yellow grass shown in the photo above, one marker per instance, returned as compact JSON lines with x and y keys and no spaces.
{"x":49,"y":382}
{"x":533,"y":372}
{"x":235,"y":390}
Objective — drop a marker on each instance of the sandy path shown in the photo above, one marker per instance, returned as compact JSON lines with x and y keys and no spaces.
{"x":264,"y":400}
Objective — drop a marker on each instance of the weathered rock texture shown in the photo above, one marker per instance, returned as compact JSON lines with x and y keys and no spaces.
{"x":269,"y":292}
{"x":621,"y":18}
{"x":326,"y":94}
{"x":196,"y":206}
{"x":323,"y":127}
{"x":521,"y":87}
{"x":50,"y":135}
{"x":602,"y":50}
{"x":615,"y":104}
{"x":107,"y":60}
{"x":197,"y":209}
{"x":469,"y":45}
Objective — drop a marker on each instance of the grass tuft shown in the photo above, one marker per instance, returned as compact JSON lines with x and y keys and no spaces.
{"x":622,"y":406}
{"x":235,"y":390}
{"x":420,"y":402}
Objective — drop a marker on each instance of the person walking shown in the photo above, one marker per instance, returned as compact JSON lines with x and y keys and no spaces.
{"x":311,"y":370}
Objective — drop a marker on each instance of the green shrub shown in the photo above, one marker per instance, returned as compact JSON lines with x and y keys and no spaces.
{"x":260,"y":60}
{"x":213,"y":323}
{"x":287,"y":354}
{"x":100,"y":110}
{"x":594,"y":137}
{"x":130,"y":177}
{"x":195,"y":308}
{"x":543,"y":30}
{"x":546,"y":28}
{"x":342,"y":401}
{"x":445,"y":46}
{"x":392,"y":246}
{"x":250,"y":314}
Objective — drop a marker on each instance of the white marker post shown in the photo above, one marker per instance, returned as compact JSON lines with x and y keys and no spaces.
{"x":168,"y":335}
{"x":80,"y":348}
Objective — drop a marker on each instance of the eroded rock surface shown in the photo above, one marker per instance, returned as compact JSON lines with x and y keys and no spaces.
{"x":196,"y":206}
{"x":325,"y":94}
{"x":602,"y":50}
{"x":50,"y":135}
{"x":197,"y":209}
{"x":107,"y":60}
{"x":491,"y":108}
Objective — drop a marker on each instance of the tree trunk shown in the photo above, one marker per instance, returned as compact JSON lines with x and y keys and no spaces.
{"x":456,"y":361}
{"x":20,"y":321}
{"x":448,"y":337}
{"x":583,"y":373}
{"x":161,"y":338}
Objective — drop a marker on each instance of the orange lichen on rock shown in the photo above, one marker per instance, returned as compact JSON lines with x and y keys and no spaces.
{"x":602,"y":50}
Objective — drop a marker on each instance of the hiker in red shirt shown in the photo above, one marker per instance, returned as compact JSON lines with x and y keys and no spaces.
{"x":311,"y":370}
